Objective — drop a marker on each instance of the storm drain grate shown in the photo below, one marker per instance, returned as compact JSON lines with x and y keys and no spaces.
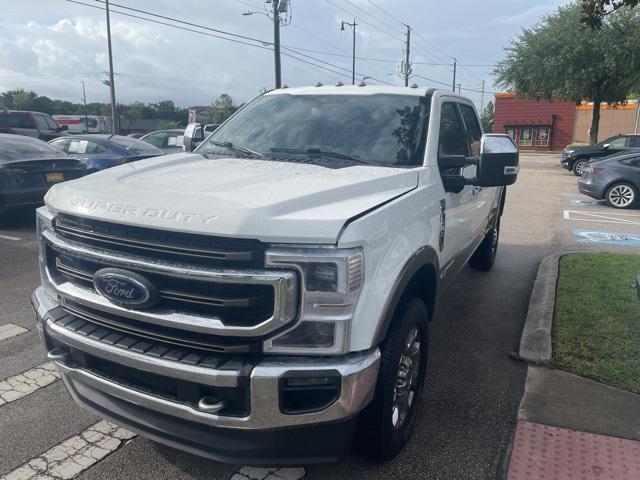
{"x":552,"y":453}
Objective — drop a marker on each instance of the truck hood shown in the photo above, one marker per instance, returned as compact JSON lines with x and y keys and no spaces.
{"x":233,"y":197}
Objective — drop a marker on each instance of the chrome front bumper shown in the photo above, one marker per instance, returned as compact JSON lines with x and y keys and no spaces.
{"x":358,"y":374}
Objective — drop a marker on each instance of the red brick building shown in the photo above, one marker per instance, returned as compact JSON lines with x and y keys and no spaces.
{"x":534,"y":124}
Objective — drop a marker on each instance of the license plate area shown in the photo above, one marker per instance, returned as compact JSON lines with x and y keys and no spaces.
{"x":54,"y":177}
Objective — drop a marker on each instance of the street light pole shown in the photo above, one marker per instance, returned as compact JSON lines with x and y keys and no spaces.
{"x":353,"y":63}
{"x":112,"y":87}
{"x":407,"y":65}
{"x":84,"y":98}
{"x":455,"y":66}
{"x":276,"y":42}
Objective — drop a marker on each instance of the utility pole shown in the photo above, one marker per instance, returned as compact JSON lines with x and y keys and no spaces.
{"x":353,"y":26}
{"x":115,"y":120}
{"x":635,"y":129}
{"x":276,"y":42}
{"x":459,"y":87}
{"x":407,"y":64}
{"x":482,"y":97}
{"x":455,"y":66}
{"x":84,"y":98}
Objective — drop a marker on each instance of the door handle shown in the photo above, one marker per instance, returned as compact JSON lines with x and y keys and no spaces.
{"x":476,"y":190}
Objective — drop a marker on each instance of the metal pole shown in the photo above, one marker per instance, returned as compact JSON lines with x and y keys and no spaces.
{"x":482,"y":98}
{"x":459,"y":87}
{"x":353,"y":63}
{"x":635,"y":129}
{"x":112,"y":87}
{"x":84,"y":98}
{"x":455,"y":66}
{"x":276,"y":42}
{"x":407,"y":68}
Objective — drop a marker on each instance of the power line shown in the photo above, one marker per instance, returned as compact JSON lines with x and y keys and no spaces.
{"x":364,"y":21}
{"x":374,"y":17}
{"x":386,"y":13}
{"x":219,"y":36}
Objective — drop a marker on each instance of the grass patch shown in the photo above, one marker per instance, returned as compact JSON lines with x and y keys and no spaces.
{"x":596,"y":332}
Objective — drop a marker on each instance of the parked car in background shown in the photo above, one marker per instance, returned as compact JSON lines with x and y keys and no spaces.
{"x":98,"y":152}
{"x":84,"y":123}
{"x":576,"y":158}
{"x":168,"y":140}
{"x":615,"y":179}
{"x":28,"y":167}
{"x":31,"y":124}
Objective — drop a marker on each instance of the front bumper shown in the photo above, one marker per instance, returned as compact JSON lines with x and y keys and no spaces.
{"x":264,"y":436}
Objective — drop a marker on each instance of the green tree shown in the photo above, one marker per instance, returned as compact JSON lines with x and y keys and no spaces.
{"x":486,"y":117}
{"x":593,"y":11}
{"x":221,"y":109}
{"x":559,"y":58}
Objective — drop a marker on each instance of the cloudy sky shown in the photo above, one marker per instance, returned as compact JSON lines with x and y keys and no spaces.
{"x":50,"y":46}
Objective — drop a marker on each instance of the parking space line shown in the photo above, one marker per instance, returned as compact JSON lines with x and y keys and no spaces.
{"x":25,"y":383}
{"x":602,"y":217}
{"x":10,"y":330}
{"x":9,"y":237}
{"x":75,"y":455}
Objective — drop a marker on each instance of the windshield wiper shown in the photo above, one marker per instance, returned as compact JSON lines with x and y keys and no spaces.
{"x":236,"y":148}
{"x":318,"y":152}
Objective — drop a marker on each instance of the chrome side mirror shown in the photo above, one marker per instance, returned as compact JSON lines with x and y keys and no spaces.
{"x":193,"y":136}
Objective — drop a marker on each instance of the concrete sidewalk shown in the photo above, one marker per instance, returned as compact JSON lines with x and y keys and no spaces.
{"x":574,"y":428}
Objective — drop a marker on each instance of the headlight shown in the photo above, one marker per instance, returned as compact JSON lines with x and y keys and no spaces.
{"x":331,"y":280}
{"x":44,"y":221}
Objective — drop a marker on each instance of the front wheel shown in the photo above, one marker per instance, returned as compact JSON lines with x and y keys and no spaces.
{"x":385,"y":425}
{"x":621,"y":195}
{"x":578,"y":167}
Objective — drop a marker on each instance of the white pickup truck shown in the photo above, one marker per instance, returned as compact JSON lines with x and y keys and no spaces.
{"x":265,"y":299}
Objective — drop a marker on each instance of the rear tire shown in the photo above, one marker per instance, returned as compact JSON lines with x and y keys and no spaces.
{"x":578,"y":167}
{"x":385,"y":425}
{"x":621,"y":195}
{"x":485,"y":255}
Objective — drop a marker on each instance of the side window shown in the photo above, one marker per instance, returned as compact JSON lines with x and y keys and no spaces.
{"x":453,"y":139}
{"x":474,"y":132}
{"x":51,"y":123}
{"x":634,"y":141}
{"x":619,"y":142}
{"x":61,"y":143}
{"x":93,"y":147}
{"x":157,"y":140}
{"x":41,"y":122}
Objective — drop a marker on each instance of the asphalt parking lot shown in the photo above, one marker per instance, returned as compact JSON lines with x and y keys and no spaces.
{"x":468,"y":413}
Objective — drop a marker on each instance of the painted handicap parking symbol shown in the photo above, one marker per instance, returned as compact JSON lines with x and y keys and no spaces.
{"x":608,"y":238}
{"x":575,"y":201}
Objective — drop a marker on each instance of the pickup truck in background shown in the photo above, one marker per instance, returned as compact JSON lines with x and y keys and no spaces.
{"x":265,"y":299}
{"x":32,"y":124}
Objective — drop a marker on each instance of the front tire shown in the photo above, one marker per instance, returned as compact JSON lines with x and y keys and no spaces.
{"x":579,"y":166}
{"x":386,"y":424}
{"x":485,"y":255}
{"x":621,"y":195}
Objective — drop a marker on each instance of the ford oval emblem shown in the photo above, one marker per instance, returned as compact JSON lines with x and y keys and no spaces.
{"x":125,"y":288}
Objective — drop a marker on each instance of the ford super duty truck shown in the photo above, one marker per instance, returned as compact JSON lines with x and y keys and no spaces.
{"x":265,"y":299}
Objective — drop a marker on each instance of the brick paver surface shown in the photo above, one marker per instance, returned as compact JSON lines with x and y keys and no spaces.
{"x":553,"y":453}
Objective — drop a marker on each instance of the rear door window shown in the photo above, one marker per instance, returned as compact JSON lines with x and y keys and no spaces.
{"x":634,"y":141}
{"x":15,"y":120}
{"x":41,"y":122}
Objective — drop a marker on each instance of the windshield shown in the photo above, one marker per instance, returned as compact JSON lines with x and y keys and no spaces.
{"x":380,"y":129}
{"x":134,"y":145}
{"x":17,"y":147}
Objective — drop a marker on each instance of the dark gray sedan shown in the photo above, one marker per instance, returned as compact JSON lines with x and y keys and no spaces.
{"x":615,"y":179}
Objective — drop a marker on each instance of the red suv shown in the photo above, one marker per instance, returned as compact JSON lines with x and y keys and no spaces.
{"x":32,"y":124}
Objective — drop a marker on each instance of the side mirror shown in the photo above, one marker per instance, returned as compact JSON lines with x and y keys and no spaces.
{"x":499,"y":161}
{"x":193,"y":136}
{"x":63,"y":128}
{"x":606,"y":146}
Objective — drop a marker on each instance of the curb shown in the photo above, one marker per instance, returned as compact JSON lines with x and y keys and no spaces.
{"x":535,"y":342}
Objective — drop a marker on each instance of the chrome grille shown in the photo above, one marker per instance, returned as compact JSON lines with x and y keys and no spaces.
{"x":196,"y":295}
